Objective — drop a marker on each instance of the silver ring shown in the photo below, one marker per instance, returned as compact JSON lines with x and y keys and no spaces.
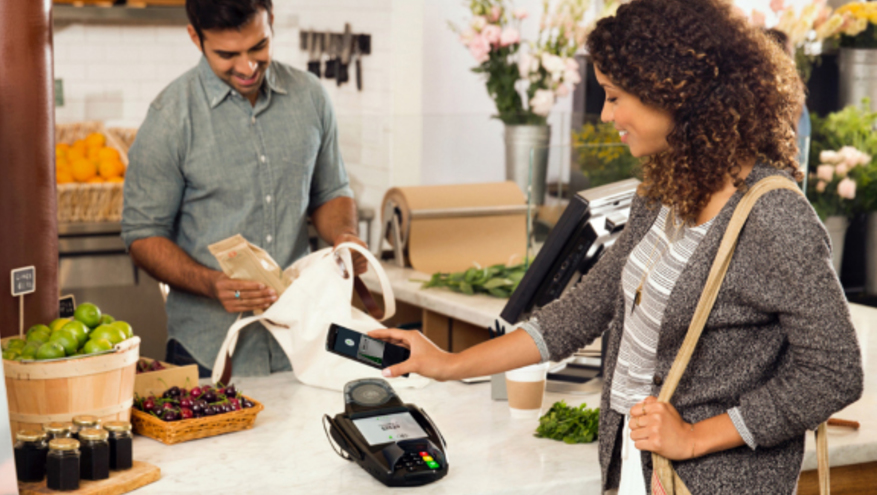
{"x":237,"y":294}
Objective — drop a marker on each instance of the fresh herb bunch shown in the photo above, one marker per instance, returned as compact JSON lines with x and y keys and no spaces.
{"x":569,"y":424}
{"x":496,"y":280}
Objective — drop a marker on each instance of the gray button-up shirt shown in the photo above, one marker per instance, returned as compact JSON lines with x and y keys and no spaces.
{"x":207,"y":165}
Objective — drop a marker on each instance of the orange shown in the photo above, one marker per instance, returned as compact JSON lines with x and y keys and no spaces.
{"x":74,"y":154}
{"x":80,"y":144}
{"x":95,"y":180}
{"x":110,"y":168}
{"x":108,"y":154}
{"x":63,"y":176}
{"x":62,"y":146}
{"x":60,"y":153}
{"x":93,"y":152}
{"x":82,"y":170}
{"x":95,"y":139}
{"x":116,"y":179}
{"x":61,"y":163}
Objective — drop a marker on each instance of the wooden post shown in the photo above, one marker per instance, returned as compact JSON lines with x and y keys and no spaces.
{"x":28,"y":206}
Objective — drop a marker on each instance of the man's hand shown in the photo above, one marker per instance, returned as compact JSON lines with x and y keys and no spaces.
{"x":238,"y":296}
{"x":360,"y":264}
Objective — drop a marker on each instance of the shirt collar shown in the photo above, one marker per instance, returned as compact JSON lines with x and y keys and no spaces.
{"x":217,"y":89}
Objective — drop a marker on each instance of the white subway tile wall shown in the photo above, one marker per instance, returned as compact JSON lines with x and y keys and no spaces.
{"x":112,"y":73}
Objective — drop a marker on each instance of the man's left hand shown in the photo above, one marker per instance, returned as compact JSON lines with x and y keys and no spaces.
{"x":360,"y":264}
{"x":657,"y":427}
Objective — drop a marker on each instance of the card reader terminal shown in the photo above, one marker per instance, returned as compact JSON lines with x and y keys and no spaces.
{"x":396,"y":443}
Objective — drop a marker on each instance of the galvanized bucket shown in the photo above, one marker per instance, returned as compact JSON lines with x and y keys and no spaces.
{"x":858,"y":76}
{"x":527,"y":145}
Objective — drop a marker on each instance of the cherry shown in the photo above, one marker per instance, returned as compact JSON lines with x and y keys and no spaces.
{"x":167,"y":405}
{"x":197,"y":409}
{"x":235,"y":403}
{"x":186,"y":402}
{"x":169,"y":415}
{"x":209,"y":411}
{"x":186,"y":413}
{"x":195,"y":392}
{"x":247,"y":403}
{"x":148,"y":405}
{"x":209,"y":396}
{"x":229,"y":391}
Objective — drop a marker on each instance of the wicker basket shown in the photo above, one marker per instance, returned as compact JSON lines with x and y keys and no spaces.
{"x":184,"y":430}
{"x":90,"y":202}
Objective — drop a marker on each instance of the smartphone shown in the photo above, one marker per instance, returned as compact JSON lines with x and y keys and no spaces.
{"x":364,"y":349}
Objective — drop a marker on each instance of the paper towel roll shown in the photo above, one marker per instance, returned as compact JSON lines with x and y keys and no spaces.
{"x":455,"y":243}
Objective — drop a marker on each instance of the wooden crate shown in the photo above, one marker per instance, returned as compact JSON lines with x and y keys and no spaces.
{"x":192,"y":429}
{"x":43,"y":392}
{"x":156,"y":382}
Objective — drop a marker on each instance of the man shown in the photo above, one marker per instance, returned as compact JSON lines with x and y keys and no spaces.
{"x":239,"y":144}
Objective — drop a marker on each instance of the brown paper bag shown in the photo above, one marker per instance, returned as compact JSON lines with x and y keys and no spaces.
{"x":242,"y":260}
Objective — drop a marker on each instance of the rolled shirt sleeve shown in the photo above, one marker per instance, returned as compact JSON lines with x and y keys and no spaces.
{"x":154,"y":182}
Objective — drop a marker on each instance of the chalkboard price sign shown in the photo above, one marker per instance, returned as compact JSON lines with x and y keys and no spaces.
{"x":67,"y":306}
{"x":24,"y":281}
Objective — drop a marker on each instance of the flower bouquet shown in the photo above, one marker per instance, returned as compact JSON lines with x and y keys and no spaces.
{"x":854,"y":23}
{"x":833,"y":188}
{"x":525,"y":78}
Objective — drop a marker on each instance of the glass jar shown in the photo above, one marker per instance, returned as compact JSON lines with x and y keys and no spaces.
{"x":94,"y":463}
{"x":30,"y":455}
{"x":62,"y":464}
{"x":83,"y":422}
{"x":57,"y":430}
{"x":121,"y":444}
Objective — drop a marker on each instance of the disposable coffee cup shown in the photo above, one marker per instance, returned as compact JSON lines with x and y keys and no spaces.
{"x":525,"y":387}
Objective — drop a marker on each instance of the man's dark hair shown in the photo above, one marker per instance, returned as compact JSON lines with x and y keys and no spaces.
{"x":223,"y":14}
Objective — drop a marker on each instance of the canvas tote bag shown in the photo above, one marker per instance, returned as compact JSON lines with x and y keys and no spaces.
{"x":665,"y":481}
{"x":320,"y":294}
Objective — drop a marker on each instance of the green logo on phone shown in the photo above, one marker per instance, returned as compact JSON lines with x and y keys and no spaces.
{"x":349,"y":342}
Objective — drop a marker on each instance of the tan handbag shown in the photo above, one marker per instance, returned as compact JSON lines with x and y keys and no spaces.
{"x":665,"y":481}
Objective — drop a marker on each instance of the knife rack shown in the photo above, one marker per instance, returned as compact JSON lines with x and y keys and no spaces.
{"x":338,"y":50}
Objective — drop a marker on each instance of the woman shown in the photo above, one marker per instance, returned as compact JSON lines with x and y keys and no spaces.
{"x":709,"y":103}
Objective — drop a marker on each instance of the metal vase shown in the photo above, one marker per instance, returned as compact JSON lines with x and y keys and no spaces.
{"x":526,"y":146}
{"x":837,"y":232}
{"x":871,"y":254}
{"x":858,"y":76}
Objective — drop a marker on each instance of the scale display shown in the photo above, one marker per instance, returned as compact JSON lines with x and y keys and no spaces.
{"x":378,"y":430}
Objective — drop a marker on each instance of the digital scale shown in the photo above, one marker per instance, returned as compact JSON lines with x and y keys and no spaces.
{"x":396,"y":443}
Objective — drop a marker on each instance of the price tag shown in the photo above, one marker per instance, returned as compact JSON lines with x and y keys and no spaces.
{"x":24,"y":281}
{"x":67,"y":306}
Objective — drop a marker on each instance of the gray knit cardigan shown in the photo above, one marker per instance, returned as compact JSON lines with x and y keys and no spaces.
{"x":779,"y":343}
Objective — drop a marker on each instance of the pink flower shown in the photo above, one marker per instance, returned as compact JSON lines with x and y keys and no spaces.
{"x":562,"y":90}
{"x":478,"y":23}
{"x":509,"y":36}
{"x":777,"y":5}
{"x":479,"y":47}
{"x":757,"y":18}
{"x":829,"y":156}
{"x":847,"y":189}
{"x":521,"y":14}
{"x":841,"y":169}
{"x":823,"y":172}
{"x":491,"y":33}
{"x":820,"y":186}
{"x":495,"y":14}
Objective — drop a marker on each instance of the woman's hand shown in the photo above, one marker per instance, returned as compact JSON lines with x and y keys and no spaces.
{"x":657,"y":427}
{"x":426,"y":358}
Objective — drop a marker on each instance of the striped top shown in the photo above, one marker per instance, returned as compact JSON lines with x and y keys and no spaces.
{"x":660,"y":257}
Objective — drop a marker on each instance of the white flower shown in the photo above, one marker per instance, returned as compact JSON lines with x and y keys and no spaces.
{"x":553,"y":63}
{"x":841,"y":169}
{"x":509,"y":36}
{"x":521,"y":14}
{"x":542,"y":102}
{"x":562,"y":90}
{"x":478,"y":23}
{"x":829,"y":156}
{"x":525,"y":61}
{"x":847,"y":189}
{"x":467,"y":36}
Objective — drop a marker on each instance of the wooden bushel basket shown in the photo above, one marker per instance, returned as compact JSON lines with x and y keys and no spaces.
{"x":102,"y":386}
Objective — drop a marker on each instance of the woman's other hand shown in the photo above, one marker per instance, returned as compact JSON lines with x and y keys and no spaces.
{"x":426,"y":359}
{"x":657,"y":427}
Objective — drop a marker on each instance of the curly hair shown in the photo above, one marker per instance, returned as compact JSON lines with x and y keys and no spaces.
{"x":732,"y":93}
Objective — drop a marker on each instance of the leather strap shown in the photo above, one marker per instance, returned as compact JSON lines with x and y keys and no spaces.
{"x":664,"y":472}
{"x":367,"y":299}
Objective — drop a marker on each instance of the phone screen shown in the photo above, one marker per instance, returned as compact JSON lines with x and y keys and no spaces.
{"x":360,"y":347}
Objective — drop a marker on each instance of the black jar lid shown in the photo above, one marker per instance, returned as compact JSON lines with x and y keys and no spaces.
{"x":93,"y":434}
{"x":30,"y":435}
{"x":64,"y":444}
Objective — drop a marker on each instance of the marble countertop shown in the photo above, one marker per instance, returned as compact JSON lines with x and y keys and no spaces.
{"x":489,"y":452}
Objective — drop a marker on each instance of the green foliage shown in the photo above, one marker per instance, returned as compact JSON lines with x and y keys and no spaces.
{"x":497,"y":280}
{"x":852,"y":126}
{"x":865,"y":39}
{"x":601,"y":156}
{"x":569,"y":424}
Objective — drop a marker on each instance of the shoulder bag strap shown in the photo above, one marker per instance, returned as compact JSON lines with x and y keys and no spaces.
{"x":705,"y":306}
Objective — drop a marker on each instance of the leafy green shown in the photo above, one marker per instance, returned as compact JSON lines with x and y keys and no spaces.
{"x":497,"y":280}
{"x":569,"y":424}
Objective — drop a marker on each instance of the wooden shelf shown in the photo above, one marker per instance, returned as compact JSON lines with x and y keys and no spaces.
{"x":65,"y":15}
